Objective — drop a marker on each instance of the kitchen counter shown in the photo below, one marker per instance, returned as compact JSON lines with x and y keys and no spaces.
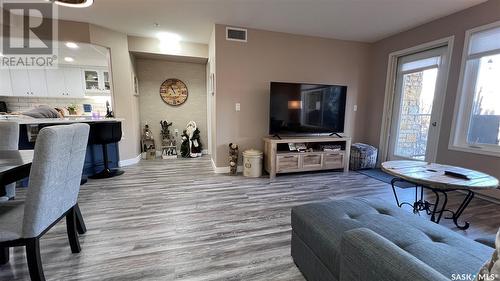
{"x":94,"y":162}
{"x":65,"y":120}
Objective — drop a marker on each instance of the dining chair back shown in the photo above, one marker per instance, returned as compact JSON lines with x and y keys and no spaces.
{"x":52,"y":194}
{"x":9,"y":140}
{"x":55,"y":176}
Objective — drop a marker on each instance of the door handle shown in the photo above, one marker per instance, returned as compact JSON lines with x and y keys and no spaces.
{"x":434,"y":124}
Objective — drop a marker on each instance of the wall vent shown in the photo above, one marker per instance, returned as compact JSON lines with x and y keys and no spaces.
{"x":236,"y":34}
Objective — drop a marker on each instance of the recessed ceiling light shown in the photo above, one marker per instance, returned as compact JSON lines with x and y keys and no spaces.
{"x":69,"y":59}
{"x":169,"y":41}
{"x":168,"y":36}
{"x":74,"y":3}
{"x":71,"y":45}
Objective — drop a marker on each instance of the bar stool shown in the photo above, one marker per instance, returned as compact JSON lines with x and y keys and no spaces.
{"x":105,"y":133}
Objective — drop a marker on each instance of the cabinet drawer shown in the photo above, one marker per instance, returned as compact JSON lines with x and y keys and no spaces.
{"x":333,"y":161}
{"x":287,"y":162}
{"x":311,"y":161}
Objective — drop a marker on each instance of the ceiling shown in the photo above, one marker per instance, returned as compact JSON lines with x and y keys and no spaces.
{"x":358,"y":20}
{"x":84,"y":55}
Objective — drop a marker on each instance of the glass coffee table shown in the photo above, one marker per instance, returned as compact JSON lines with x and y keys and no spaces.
{"x":440,"y":179}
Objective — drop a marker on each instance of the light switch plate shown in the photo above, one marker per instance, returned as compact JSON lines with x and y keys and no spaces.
{"x":355,"y":107}
{"x":238,"y":106}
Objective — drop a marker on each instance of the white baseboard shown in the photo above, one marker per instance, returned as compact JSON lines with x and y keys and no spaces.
{"x":128,"y":162}
{"x":224,"y":170}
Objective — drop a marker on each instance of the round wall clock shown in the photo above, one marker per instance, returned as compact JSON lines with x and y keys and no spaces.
{"x":173,"y":92}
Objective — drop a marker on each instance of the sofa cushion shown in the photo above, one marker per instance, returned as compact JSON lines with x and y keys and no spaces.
{"x":321,"y":226}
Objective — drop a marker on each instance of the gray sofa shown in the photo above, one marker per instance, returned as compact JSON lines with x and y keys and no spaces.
{"x":358,"y":239}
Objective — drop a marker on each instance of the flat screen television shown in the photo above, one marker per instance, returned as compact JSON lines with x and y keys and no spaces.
{"x":306,"y":109}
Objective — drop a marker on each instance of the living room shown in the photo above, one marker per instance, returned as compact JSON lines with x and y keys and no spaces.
{"x":302,"y":141}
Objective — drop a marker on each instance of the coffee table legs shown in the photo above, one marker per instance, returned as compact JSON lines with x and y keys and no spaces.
{"x":461,"y":209}
{"x":434,"y":209}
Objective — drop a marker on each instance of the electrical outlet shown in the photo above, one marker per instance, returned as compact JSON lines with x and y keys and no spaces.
{"x":238,"y":106}
{"x":355,"y":107}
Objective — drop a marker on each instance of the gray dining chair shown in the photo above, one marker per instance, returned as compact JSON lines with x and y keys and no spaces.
{"x":9,"y":140}
{"x":52,"y":194}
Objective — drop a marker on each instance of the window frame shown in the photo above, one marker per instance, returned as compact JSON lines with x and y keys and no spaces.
{"x":463,"y":104}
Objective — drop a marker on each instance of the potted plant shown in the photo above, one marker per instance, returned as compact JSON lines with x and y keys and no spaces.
{"x":72,"y":109}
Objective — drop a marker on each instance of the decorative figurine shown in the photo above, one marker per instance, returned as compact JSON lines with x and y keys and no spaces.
{"x":168,"y":143}
{"x":109,"y":112}
{"x":191,"y":145}
{"x":148,"y":143}
{"x":233,"y":159}
{"x":185,"y":145}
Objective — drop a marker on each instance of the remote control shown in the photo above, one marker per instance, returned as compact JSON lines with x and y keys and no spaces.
{"x":456,"y":175}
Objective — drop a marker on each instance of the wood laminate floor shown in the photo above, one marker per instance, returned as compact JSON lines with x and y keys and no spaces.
{"x":177,"y":220}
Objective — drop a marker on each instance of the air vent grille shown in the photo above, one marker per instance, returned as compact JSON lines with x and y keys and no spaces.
{"x":236,"y":34}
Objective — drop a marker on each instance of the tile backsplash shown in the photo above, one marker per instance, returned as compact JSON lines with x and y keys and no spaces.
{"x":20,"y":104}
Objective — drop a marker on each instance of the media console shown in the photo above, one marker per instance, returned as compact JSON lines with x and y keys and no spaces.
{"x":279,"y":159}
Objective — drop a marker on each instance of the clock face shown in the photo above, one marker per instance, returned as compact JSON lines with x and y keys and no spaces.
{"x":173,"y":92}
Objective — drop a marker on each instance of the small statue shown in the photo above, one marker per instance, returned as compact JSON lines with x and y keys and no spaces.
{"x":168,"y":143}
{"x":148,"y":143}
{"x":233,"y":159}
{"x":191,"y":145}
{"x":185,"y":145}
{"x":147,"y":134}
{"x":109,"y":112}
{"x":165,"y":132}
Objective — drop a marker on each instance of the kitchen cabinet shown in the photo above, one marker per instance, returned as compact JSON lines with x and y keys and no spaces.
{"x":55,"y":83}
{"x":28,"y":82}
{"x":20,"y":83}
{"x":5,"y":85}
{"x":58,"y":82}
{"x":38,"y":82}
{"x":97,"y":81}
{"x":65,"y":82}
{"x":74,"y":83}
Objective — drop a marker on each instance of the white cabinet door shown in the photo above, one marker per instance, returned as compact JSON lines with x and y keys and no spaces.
{"x":106,"y":85}
{"x":92,"y":80}
{"x":20,"y":83}
{"x":38,"y":82}
{"x":5,"y":85}
{"x":96,"y":82}
{"x":55,"y":83}
{"x":74,"y":83}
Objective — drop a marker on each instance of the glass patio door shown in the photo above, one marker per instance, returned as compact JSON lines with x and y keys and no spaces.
{"x":418,"y":98}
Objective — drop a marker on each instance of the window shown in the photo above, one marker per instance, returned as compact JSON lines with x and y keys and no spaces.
{"x":477,"y":121}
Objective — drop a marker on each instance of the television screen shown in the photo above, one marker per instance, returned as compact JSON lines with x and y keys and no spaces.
{"x":306,"y":109}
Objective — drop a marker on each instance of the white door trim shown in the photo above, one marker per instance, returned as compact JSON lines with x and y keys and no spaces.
{"x":390,"y":87}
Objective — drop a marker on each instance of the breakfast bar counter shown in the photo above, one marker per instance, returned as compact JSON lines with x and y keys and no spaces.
{"x":94,"y":162}
{"x":66,"y":120}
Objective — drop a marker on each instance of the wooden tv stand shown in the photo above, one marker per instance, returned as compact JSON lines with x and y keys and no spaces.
{"x":278,"y":159}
